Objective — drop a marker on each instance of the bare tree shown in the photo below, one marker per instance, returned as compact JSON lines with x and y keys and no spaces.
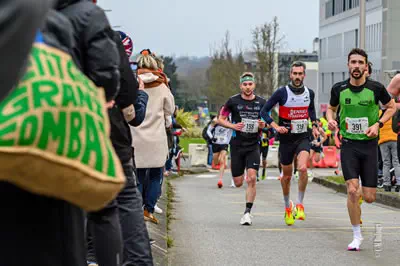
{"x":224,"y":72}
{"x":266,"y":46}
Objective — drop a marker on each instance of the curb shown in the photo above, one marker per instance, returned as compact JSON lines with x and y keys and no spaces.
{"x":158,"y":232}
{"x":194,"y":170}
{"x":384,"y":198}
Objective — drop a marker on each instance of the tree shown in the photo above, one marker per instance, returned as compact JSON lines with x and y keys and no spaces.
{"x":224,"y":72}
{"x":170,"y":70}
{"x":266,"y":45}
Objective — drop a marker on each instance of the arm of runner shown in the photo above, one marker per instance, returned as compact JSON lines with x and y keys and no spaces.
{"x":275,"y":98}
{"x":223,"y":118}
{"x":323,"y":135}
{"x":332,"y":108}
{"x":209,"y":131}
{"x":312,"y":114}
{"x":388,"y":103}
{"x":394,"y":88}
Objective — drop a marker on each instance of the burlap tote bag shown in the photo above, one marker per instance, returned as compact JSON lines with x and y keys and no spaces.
{"x":54,"y":134}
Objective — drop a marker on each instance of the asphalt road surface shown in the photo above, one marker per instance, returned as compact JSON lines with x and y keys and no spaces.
{"x":206,"y":227}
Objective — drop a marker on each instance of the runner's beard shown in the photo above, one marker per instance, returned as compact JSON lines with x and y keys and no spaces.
{"x":356,"y":71}
{"x":297,"y":83}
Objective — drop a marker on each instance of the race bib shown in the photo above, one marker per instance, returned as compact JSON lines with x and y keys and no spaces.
{"x":250,"y":126}
{"x":222,"y":135}
{"x":298,"y":126}
{"x":356,"y":125}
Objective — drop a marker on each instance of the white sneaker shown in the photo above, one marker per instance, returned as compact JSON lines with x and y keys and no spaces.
{"x":158,"y":209}
{"x":233,"y":185}
{"x":246,"y":219}
{"x":355,"y":245}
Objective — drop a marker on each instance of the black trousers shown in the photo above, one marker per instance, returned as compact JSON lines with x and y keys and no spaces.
{"x":37,"y":230}
{"x":135,"y":238}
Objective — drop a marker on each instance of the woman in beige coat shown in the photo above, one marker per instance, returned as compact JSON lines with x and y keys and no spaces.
{"x":150,"y":138}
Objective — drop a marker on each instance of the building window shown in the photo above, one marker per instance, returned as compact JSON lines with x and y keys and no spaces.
{"x":343,"y":75}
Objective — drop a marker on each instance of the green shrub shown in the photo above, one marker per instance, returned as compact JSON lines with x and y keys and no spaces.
{"x":185,"y":119}
{"x":194,"y":132}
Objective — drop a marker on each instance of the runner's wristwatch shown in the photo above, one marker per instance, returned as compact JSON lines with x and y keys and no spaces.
{"x":380,"y":124}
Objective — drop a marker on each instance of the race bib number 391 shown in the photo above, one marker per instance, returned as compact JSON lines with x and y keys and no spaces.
{"x":250,"y":126}
{"x":356,"y":125}
{"x":298,"y":126}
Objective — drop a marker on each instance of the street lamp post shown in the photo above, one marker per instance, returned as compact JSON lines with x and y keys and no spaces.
{"x":362,"y":23}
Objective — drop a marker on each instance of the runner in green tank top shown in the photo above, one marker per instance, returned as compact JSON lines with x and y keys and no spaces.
{"x":359,"y":98}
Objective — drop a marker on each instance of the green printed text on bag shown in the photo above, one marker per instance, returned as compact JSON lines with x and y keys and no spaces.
{"x":54,"y":134}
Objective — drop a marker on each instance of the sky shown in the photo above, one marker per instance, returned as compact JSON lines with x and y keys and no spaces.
{"x":191,"y":28}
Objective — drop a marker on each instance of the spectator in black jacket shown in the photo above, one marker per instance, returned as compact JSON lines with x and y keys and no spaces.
{"x":98,"y":58}
{"x":34,"y":229}
{"x":137,"y":250}
{"x":95,"y":48}
{"x":20,"y":32}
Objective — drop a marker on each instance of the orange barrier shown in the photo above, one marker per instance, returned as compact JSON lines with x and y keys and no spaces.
{"x":330,"y":159}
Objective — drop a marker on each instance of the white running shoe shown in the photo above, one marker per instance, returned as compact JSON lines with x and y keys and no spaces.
{"x":158,"y":209}
{"x":233,"y":185}
{"x":355,"y":245}
{"x":246,"y":219}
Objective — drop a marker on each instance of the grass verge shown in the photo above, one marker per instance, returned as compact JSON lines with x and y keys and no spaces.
{"x":336,"y":179}
{"x":170,"y":199}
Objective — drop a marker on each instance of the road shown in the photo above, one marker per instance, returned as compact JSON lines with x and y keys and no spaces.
{"x":206,"y":228}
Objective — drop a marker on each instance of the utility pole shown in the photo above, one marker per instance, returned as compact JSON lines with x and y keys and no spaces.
{"x":362,"y":23}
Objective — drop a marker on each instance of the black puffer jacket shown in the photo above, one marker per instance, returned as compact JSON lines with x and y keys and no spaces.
{"x":95,"y":48}
{"x":19,"y":21}
{"x":50,"y":220}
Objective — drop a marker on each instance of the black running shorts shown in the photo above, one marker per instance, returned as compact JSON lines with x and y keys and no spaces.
{"x":360,"y":159}
{"x":316,"y":149}
{"x":288,"y":151}
{"x":244,"y":157}
{"x":216,"y":148}
{"x":264,"y":152}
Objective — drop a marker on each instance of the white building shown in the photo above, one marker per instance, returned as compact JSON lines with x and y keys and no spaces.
{"x":339,"y":33}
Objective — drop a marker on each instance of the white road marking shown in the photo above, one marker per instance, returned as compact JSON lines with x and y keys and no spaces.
{"x":206,"y":176}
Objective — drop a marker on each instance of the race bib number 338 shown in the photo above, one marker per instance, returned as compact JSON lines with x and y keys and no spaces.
{"x":357,"y":125}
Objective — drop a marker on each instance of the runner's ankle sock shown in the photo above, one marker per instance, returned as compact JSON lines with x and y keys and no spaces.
{"x":249,"y":205}
{"x":357,"y":231}
{"x":287,"y":201}
{"x":300,"y":197}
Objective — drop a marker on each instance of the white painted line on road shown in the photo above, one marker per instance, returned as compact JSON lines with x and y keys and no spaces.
{"x":160,"y":248}
{"x":206,"y":176}
{"x":276,"y":178}
{"x":321,"y":229}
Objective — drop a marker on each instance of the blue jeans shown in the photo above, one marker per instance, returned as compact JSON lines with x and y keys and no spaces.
{"x":149,"y":184}
{"x":210,"y":154}
{"x":168,"y":164}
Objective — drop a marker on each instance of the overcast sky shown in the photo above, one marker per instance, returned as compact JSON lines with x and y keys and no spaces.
{"x":191,"y":27}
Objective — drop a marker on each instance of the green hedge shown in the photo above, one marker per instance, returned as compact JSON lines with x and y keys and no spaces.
{"x":184,"y":143}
